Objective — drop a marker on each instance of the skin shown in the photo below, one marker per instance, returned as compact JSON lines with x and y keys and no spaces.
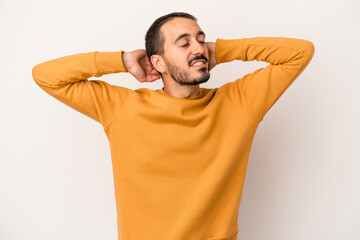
{"x":181,"y":80}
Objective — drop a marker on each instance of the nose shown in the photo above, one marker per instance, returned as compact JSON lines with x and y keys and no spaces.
{"x":198,"y":48}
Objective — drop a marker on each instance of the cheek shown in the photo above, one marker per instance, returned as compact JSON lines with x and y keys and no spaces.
{"x":179,"y":59}
{"x":207,"y":54}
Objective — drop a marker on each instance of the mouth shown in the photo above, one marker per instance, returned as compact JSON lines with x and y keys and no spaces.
{"x":198,"y":63}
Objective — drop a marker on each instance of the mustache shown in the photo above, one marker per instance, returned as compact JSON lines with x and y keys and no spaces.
{"x":199,"y":57}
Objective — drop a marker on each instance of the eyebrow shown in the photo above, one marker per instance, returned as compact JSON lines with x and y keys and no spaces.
{"x":187,"y":35}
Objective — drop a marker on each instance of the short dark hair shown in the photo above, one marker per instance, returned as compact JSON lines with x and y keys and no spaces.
{"x":154,"y":39}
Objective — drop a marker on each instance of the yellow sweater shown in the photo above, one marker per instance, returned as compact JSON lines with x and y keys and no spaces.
{"x":179,"y":164}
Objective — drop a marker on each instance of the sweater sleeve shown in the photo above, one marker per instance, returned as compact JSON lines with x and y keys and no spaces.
{"x":256,"y":92}
{"x":65,"y":79}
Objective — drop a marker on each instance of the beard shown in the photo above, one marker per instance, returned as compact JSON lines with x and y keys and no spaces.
{"x":183,"y":77}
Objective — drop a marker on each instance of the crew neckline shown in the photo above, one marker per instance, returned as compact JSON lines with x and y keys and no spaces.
{"x":161,"y":90}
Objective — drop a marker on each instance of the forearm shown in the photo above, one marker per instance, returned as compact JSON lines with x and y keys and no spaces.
{"x":77,"y":67}
{"x":274,"y":50}
{"x":65,"y":79}
{"x":256,"y":92}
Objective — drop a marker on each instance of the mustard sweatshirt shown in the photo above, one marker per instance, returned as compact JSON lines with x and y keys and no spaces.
{"x":179,"y":164}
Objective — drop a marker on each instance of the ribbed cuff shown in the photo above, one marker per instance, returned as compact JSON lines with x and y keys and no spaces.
{"x":109,"y":62}
{"x":227,"y":50}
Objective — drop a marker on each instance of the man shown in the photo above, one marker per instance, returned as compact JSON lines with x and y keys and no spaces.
{"x":179,"y":153}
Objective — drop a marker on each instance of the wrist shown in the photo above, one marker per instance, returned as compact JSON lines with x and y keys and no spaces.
{"x":125,"y":57}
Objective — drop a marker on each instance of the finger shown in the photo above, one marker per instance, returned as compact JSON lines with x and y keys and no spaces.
{"x":147,"y":62}
{"x":154,"y":71}
{"x":141,"y":77}
{"x":149,"y":67}
{"x":152,"y":77}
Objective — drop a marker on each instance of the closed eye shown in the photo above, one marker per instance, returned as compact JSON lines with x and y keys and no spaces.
{"x":188,"y":44}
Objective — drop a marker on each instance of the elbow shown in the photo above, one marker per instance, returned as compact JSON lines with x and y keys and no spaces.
{"x":309,"y":48}
{"x":38,"y":76}
{"x":35,"y":73}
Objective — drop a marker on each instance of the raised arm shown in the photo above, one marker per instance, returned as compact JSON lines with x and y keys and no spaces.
{"x":65,"y":79}
{"x":256,"y":92}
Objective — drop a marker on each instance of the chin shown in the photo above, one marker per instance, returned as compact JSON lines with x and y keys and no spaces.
{"x":202,"y":69}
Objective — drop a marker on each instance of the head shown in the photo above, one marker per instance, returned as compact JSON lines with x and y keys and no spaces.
{"x":173,"y":42}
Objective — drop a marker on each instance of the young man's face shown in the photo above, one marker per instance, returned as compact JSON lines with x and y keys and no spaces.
{"x":184,"y":45}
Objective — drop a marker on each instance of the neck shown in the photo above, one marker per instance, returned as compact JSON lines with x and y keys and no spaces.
{"x":182,"y":91}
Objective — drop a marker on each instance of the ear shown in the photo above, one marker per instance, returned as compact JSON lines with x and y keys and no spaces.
{"x":158,"y":63}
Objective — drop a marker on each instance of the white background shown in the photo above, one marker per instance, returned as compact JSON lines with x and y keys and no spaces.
{"x":303,"y":178}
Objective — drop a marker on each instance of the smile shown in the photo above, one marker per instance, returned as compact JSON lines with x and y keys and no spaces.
{"x":198,"y":64}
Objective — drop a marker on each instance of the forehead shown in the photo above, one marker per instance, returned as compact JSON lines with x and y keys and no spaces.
{"x":177,"y":26}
